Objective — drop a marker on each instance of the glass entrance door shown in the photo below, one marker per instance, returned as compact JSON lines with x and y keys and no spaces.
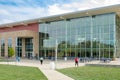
{"x":29,"y":48}
{"x":29,"y":55}
{"x":19,"y":47}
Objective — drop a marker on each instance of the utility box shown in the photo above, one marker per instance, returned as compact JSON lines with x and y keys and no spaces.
{"x":65,"y":58}
{"x":52,"y":65}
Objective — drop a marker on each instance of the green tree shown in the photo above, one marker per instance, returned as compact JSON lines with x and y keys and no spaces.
{"x":11,"y":52}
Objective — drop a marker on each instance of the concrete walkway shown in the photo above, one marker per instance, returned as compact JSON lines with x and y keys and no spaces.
{"x":50,"y":73}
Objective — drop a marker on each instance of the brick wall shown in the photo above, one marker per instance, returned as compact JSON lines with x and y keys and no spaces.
{"x":31,"y":27}
{"x":23,"y":34}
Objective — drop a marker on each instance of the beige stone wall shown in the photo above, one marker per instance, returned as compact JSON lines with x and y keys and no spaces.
{"x":23,"y":47}
{"x":24,"y":34}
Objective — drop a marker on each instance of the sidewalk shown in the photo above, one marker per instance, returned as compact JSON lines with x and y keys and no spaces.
{"x":55,"y":75}
{"x":51,"y":74}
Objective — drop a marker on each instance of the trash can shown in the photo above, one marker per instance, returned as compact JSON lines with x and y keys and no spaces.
{"x":52,"y":65}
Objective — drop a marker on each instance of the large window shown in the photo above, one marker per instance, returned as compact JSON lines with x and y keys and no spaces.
{"x":9,"y":43}
{"x":2,"y":47}
{"x":19,"y":47}
{"x":92,"y":36}
{"x":29,"y":47}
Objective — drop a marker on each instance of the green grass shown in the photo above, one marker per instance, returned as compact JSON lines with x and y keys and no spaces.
{"x":9,"y":72}
{"x":92,"y":73}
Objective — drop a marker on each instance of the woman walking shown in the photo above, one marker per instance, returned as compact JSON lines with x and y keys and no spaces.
{"x":41,"y":60}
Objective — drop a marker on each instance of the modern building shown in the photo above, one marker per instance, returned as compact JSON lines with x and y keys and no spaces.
{"x":87,"y":33}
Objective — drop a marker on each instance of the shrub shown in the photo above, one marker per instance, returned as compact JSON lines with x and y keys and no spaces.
{"x":11,"y":52}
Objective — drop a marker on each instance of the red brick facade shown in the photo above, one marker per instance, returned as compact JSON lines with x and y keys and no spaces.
{"x":31,"y":27}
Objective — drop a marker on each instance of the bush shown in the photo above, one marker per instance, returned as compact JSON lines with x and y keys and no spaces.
{"x":11,"y":52}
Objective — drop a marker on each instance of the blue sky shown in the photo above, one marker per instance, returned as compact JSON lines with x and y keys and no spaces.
{"x":18,"y":10}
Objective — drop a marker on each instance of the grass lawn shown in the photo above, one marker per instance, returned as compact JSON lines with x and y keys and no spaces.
{"x":92,"y":73}
{"x":11,"y":72}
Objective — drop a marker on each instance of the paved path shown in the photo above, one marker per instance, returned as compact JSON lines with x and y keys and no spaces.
{"x":50,"y":73}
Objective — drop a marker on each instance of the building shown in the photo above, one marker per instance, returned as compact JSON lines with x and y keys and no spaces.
{"x":87,"y":33}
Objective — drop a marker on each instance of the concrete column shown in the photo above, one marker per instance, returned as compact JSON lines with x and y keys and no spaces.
{"x":23,"y":47}
{"x":35,"y":45}
{"x":6,"y":47}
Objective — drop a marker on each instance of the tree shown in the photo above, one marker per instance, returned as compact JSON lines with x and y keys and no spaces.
{"x":11,"y":52}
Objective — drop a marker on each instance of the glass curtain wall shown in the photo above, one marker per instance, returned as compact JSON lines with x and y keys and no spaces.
{"x":103,"y":38}
{"x":92,"y":36}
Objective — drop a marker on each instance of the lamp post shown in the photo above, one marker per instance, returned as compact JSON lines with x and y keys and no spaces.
{"x":56,"y":49}
{"x":53,"y":64}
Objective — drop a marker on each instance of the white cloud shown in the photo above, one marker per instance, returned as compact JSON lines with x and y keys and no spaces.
{"x":22,"y":12}
{"x":4,"y":12}
{"x":12,"y":14}
{"x":6,"y":20}
{"x":56,"y":9}
{"x":112,"y":2}
{"x":99,"y":1}
{"x":74,"y":6}
{"x":64,"y":8}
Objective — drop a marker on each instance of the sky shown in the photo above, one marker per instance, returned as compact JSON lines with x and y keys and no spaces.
{"x":19,"y":10}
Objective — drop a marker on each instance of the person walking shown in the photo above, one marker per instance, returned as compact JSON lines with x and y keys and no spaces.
{"x":76,"y":61}
{"x":41,"y":60}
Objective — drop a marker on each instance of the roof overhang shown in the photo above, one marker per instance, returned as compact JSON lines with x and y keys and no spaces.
{"x":83,"y":13}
